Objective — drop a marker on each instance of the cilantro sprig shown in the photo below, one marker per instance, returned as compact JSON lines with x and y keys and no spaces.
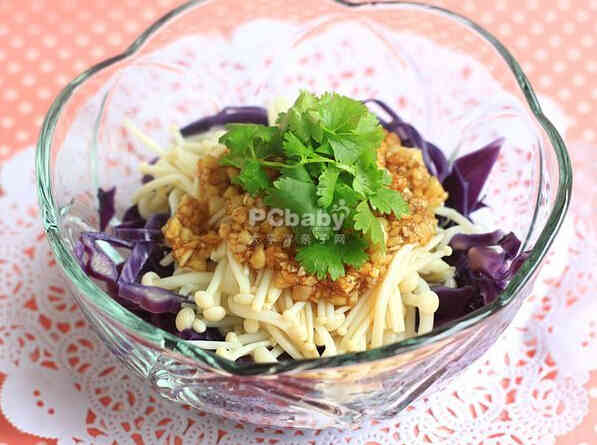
{"x":322,"y":153}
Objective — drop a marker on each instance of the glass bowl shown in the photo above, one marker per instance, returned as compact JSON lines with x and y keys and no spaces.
{"x":446,"y":75}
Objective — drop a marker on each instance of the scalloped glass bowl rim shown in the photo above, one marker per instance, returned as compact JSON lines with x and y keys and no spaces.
{"x":150,"y":333}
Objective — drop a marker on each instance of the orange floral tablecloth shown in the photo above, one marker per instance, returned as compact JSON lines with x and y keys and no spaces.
{"x":45,"y":43}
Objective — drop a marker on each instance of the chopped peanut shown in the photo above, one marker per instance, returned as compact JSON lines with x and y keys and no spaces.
{"x":190,"y":246}
{"x":258,"y":258}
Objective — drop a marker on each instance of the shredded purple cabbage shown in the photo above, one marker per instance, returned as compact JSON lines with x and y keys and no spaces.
{"x":150,"y":298}
{"x":130,"y":220}
{"x":511,"y":245}
{"x":157,"y":221}
{"x":141,"y":230}
{"x":97,"y":264}
{"x":132,"y":215}
{"x":461,"y":241}
{"x":487,"y":261}
{"x":88,"y":237}
{"x":211,"y":334}
{"x":121,"y":280}
{"x":146,"y":178}
{"x":433,"y":157}
{"x":468,"y":176}
{"x":133,"y":265}
{"x":484,"y":262}
{"x":134,"y":234}
{"x":464,"y":179}
{"x":453,"y":302}
{"x":94,"y":261}
{"x":107,"y":209}
{"x":243,"y":114}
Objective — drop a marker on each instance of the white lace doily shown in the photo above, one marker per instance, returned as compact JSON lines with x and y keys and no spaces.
{"x":61,"y":382}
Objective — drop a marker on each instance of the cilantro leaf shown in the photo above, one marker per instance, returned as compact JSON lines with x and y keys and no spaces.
{"x":300,"y":197}
{"x":297,"y":118}
{"x":314,"y":169}
{"x":368,"y":178}
{"x":327,"y":185}
{"x":325,"y":150}
{"x":342,"y":209}
{"x":321,"y":259}
{"x":233,"y":159}
{"x":354,"y":252}
{"x":346,"y":149}
{"x":314,"y":121}
{"x":305,"y":101}
{"x":252,"y":177}
{"x":370,"y":133}
{"x":340,"y":114}
{"x":322,"y":232}
{"x":345,"y":193}
{"x":250,"y":141}
{"x":295,"y":148}
{"x":366,"y":222}
{"x":293,"y":194}
{"x":298,"y":125}
{"x":350,"y":128}
{"x":297,"y":172}
{"x":387,"y":200}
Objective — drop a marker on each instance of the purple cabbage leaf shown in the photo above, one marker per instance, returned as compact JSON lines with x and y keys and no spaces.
{"x":132,"y":216}
{"x":484,"y":263}
{"x":150,"y":298}
{"x":462,"y":241}
{"x":157,"y":221}
{"x":468,"y":176}
{"x":464,"y":179}
{"x":94,"y":260}
{"x":228,"y":115}
{"x":143,"y":238}
{"x":138,"y":234}
{"x":107,"y":208}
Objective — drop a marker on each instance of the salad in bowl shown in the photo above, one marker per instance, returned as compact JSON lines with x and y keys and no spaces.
{"x":308,"y":230}
{"x":301,"y":233}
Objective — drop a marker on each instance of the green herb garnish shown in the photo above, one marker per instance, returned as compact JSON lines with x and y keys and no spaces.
{"x":324,"y":152}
